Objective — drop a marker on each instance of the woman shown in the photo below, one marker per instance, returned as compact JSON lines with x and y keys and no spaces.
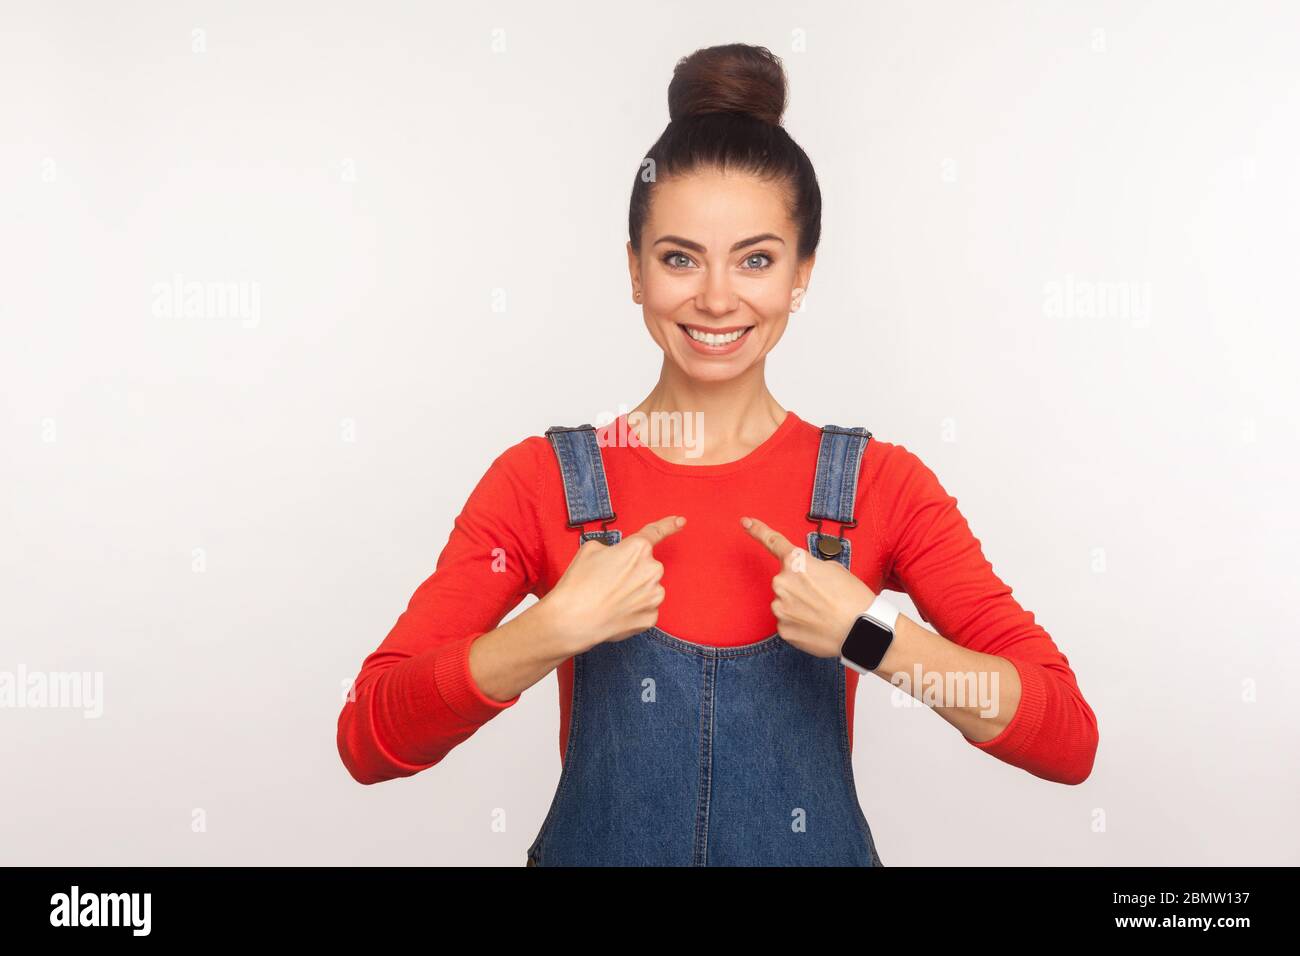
{"x":696,"y":595}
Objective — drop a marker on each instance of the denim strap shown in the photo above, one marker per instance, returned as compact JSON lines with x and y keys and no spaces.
{"x":586,"y":493}
{"x":835,"y":486}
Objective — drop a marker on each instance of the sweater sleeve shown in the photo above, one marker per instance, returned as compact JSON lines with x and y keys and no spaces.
{"x":415,"y":697}
{"x":935,"y":558}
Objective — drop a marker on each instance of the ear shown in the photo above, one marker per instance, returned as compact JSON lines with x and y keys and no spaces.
{"x":633,"y":267}
{"x":803,"y":274}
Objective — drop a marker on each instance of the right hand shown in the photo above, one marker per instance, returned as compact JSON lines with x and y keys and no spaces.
{"x":610,"y":592}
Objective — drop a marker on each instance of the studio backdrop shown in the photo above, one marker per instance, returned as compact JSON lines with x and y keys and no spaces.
{"x":282,"y":280}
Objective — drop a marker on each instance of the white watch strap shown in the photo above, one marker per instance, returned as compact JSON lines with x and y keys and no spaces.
{"x":883,"y":612}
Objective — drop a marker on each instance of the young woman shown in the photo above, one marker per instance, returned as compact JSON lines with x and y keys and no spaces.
{"x":709,"y":600}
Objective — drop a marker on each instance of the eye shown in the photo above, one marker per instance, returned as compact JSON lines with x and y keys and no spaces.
{"x":668,"y":258}
{"x":759,"y":255}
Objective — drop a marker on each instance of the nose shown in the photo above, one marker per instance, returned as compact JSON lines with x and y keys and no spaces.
{"x":717,"y":297}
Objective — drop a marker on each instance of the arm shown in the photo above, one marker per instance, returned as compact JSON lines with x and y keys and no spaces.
{"x":445,"y":668}
{"x":1042,"y":722}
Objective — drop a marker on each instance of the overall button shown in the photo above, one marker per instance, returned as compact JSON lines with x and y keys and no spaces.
{"x":829,"y":546}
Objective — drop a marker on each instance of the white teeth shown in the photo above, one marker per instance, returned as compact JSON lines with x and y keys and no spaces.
{"x":708,"y":338}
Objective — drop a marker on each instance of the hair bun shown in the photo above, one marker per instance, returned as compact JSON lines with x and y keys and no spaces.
{"x":733,"y":78}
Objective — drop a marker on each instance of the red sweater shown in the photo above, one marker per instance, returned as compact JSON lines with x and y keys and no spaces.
{"x":415,"y":699}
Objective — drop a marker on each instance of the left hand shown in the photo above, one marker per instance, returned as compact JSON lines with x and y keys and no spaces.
{"x":816,"y":601}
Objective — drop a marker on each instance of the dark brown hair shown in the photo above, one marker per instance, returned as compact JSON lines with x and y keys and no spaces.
{"x":724,"y":112}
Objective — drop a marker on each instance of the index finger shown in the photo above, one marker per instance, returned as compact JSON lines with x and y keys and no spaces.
{"x":656,"y":531}
{"x":773,"y":540}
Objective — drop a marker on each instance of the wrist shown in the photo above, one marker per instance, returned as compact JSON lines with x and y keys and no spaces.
{"x":560,"y":638}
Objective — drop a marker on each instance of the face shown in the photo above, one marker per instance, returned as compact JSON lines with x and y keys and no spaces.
{"x":718,"y":258}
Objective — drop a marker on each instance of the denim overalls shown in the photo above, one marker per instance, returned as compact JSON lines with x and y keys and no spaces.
{"x":680,"y":754}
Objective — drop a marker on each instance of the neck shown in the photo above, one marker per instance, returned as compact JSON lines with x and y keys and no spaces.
{"x":733,"y":417}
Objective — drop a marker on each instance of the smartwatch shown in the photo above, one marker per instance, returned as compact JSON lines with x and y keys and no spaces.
{"x":872,"y":633}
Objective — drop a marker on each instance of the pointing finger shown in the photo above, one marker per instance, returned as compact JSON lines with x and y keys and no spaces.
{"x":656,"y":531}
{"x":774,"y":541}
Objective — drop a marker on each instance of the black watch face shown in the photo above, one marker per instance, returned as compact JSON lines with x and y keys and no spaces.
{"x":867,"y":643}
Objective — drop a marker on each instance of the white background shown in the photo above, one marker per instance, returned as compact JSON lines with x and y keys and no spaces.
{"x":431,"y":201}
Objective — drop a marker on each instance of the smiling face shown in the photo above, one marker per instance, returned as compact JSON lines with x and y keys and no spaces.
{"x":718,"y":271}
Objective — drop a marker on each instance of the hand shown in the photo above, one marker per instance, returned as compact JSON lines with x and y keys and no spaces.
{"x":816,"y":601}
{"x":610,"y":592}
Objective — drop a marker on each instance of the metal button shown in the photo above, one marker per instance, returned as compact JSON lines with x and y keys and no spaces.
{"x":829,"y":546}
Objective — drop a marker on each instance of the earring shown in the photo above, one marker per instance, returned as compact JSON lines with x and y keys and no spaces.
{"x":797,"y":299}
{"x":637,"y":296}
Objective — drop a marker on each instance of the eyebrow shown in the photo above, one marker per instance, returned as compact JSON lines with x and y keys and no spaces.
{"x":762,"y":237}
